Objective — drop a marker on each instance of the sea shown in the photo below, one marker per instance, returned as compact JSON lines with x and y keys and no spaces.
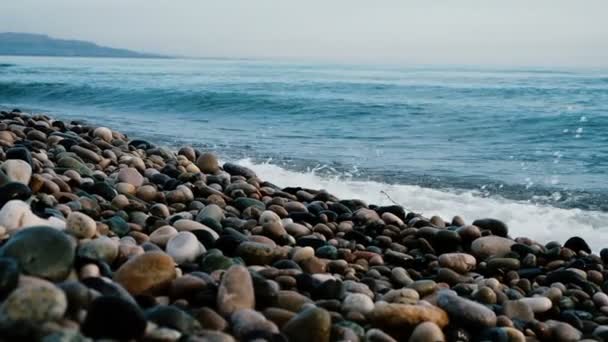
{"x":526,"y":145}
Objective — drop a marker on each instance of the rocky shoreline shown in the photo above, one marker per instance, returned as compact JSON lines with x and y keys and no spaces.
{"x":104,"y":237}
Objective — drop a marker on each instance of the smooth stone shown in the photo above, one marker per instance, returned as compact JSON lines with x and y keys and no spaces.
{"x":291,"y":300}
{"x":269,"y":217}
{"x":600,"y":299}
{"x":9,"y":276}
{"x":81,"y":225}
{"x":497,"y":227}
{"x":78,"y":295}
{"x":208,"y":163}
{"x":466,"y":311}
{"x":487,"y":246}
{"x":274,"y":230}
{"x":162,"y":235}
{"x":400,"y":276}
{"x":302,"y":254}
{"x":327,"y":252}
{"x":279,"y":316}
{"x":174,"y":318}
{"x":255,"y":253}
{"x":248,"y":321}
{"x":390,"y":218}
{"x":148,"y":273}
{"x":427,"y":332}
{"x":36,"y":303}
{"x":517,"y":309}
{"x":73,"y":164}
{"x":44,"y":252}
{"x":563,"y":332}
{"x":238,"y":170}
{"x":235,"y":291}
{"x":243,"y":203}
{"x":377,"y":335}
{"x":538,"y":304}
{"x":459,"y":262}
{"x":424,"y":286}
{"x":18,"y":152}
{"x":17,"y":170}
{"x":190,"y":225}
{"x":101,"y":248}
{"x":184,"y":247}
{"x":131,"y":176}
{"x":118,"y":225}
{"x":114,"y":318}
{"x":215,"y":260}
{"x":16,"y":214}
{"x":505,"y":264}
{"x":577,"y":244}
{"x":312,"y":324}
{"x":212,"y":211}
{"x":103,"y":133}
{"x":101,"y":188}
{"x":398,"y":315}
{"x":357,"y":302}
{"x":403,"y":296}
{"x":14,"y":191}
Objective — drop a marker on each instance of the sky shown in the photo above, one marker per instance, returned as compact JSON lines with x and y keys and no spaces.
{"x":486,"y":32}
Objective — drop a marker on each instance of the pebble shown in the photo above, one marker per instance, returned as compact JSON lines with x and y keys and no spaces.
{"x":80,"y":225}
{"x":357,"y":302}
{"x":497,"y":227}
{"x":459,"y":262}
{"x":496,"y":246}
{"x":101,"y":248}
{"x":162,"y":235}
{"x":466,"y":311}
{"x":235,"y":291}
{"x":44,"y":252}
{"x":36,"y":303}
{"x":184,"y":247}
{"x":16,"y":214}
{"x":103,"y":133}
{"x":131,"y":176}
{"x":518,"y":309}
{"x":256,"y":253}
{"x":112,"y":317}
{"x":427,"y":332}
{"x":208,"y":163}
{"x":17,"y":170}
{"x":148,"y":273}
{"x":538,"y":304}
{"x":398,"y":315}
{"x":248,"y":321}
{"x":174,"y":318}
{"x":312,"y":324}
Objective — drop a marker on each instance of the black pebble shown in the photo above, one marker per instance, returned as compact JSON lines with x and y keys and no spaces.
{"x":114,"y":317}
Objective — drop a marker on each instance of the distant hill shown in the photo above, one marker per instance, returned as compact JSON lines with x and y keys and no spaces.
{"x":27,"y":44}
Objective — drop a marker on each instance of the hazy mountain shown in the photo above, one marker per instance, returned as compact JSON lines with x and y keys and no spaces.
{"x":27,"y":44}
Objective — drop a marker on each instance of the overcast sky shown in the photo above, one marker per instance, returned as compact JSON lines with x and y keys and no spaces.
{"x":532,"y":32}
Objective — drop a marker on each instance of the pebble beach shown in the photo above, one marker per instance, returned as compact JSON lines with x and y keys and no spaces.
{"x":109,"y":237}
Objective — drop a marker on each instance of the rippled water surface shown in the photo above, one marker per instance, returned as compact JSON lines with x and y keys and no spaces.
{"x":525,"y":136}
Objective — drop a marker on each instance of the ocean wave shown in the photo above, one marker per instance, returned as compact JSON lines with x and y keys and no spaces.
{"x":7,"y":65}
{"x":543,"y":223}
{"x":349,"y":99}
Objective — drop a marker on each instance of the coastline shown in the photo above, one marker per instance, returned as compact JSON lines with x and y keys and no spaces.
{"x":138,"y":227}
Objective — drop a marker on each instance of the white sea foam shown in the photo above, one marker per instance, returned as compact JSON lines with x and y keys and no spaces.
{"x":540,"y":222}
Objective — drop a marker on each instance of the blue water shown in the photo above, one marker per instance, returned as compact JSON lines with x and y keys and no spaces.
{"x":535,"y":135}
